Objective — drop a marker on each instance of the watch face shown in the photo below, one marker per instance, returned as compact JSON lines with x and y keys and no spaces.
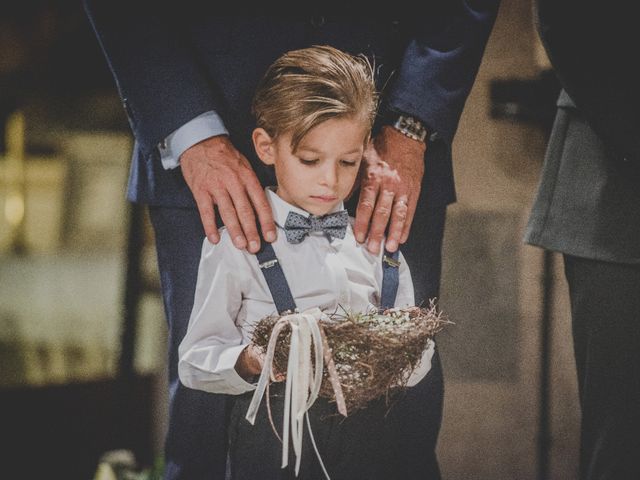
{"x":404,"y":122}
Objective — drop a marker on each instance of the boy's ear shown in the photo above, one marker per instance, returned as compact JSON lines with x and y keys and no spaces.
{"x":264,"y":145}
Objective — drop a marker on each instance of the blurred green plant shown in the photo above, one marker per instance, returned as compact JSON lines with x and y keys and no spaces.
{"x":122,"y":465}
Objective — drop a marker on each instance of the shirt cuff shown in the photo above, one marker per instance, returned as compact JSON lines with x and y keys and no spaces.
{"x":208,"y":124}
{"x":215,"y":372}
{"x":227,"y":368}
{"x":423,"y":366}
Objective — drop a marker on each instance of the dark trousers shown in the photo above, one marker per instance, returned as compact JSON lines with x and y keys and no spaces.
{"x":195,"y":445}
{"x":369,"y":444}
{"x":196,"y":442}
{"x":605,"y":304}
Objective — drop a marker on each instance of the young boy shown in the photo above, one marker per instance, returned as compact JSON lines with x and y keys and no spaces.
{"x":314,"y":110}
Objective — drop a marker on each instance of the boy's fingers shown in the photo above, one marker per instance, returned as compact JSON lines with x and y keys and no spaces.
{"x":396,"y":227}
{"x":207,"y":216}
{"x":380,"y":220}
{"x":364,"y":210}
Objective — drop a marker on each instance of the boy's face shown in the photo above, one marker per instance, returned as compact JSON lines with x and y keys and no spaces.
{"x":321,"y":172}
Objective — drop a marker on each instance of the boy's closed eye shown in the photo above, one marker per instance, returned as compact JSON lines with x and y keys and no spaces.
{"x":305,"y":161}
{"x":349,"y":163}
{"x":344,"y":163}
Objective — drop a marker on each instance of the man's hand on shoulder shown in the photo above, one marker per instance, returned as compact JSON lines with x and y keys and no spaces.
{"x":390,"y":187}
{"x":220,"y":176}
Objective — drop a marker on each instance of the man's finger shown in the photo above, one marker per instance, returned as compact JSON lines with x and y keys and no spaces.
{"x":380,"y":219}
{"x":246,"y":216}
{"x":364,"y":210}
{"x":396,"y":227}
{"x":262,"y":208}
{"x":207,"y":216}
{"x":230,"y":219}
{"x":411,"y":211}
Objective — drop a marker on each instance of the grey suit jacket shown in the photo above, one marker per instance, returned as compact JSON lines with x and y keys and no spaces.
{"x":588,"y":202}
{"x":585,"y":206}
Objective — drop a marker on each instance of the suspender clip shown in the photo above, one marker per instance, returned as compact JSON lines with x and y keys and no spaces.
{"x":268,"y":264}
{"x":390,"y":261}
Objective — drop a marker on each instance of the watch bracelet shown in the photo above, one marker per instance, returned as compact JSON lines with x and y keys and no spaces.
{"x":410,"y":127}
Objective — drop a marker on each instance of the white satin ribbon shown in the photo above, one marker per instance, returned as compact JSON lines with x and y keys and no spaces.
{"x":304,"y":379}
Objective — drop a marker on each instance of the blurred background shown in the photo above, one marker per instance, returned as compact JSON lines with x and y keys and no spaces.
{"x":82,"y":329}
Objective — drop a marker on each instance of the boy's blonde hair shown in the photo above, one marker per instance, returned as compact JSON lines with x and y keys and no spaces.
{"x":305,"y":87}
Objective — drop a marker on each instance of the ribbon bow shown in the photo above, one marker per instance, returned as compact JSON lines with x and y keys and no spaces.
{"x":333,"y":225}
{"x":304,"y":379}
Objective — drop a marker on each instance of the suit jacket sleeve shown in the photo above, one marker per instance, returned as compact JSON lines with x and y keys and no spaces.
{"x":159,"y":79}
{"x":441,"y":62}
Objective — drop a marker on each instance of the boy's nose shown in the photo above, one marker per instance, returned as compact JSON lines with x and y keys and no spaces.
{"x":330,"y":176}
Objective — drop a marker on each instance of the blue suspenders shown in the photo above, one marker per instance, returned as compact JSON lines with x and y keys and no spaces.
{"x":390,"y":279}
{"x":275,"y":278}
{"x":281,"y":292}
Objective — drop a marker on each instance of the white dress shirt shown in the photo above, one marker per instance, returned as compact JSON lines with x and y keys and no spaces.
{"x":232,"y":295}
{"x":209,"y":124}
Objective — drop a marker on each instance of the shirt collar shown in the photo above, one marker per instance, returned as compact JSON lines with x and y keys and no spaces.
{"x":282,"y":208}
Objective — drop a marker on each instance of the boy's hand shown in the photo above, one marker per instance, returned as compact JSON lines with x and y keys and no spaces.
{"x":219,"y":175}
{"x":394,"y":167}
{"x":251,"y":361}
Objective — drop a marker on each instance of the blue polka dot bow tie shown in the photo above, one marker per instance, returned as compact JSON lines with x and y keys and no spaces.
{"x":333,"y":225}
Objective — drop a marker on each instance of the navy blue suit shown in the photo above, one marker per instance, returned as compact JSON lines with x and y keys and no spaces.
{"x":172,"y":64}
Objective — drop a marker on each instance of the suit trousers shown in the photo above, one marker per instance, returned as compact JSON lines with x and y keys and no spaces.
{"x":196,"y":441}
{"x":605,"y":309}
{"x":366,"y":445}
{"x":195,"y":444}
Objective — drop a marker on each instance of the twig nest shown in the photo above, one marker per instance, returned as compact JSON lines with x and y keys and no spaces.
{"x":373,"y":352}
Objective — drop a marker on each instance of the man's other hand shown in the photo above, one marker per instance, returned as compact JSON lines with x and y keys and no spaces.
{"x":390,"y":188}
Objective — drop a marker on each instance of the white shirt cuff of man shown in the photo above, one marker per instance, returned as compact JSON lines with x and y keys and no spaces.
{"x":206,"y":125}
